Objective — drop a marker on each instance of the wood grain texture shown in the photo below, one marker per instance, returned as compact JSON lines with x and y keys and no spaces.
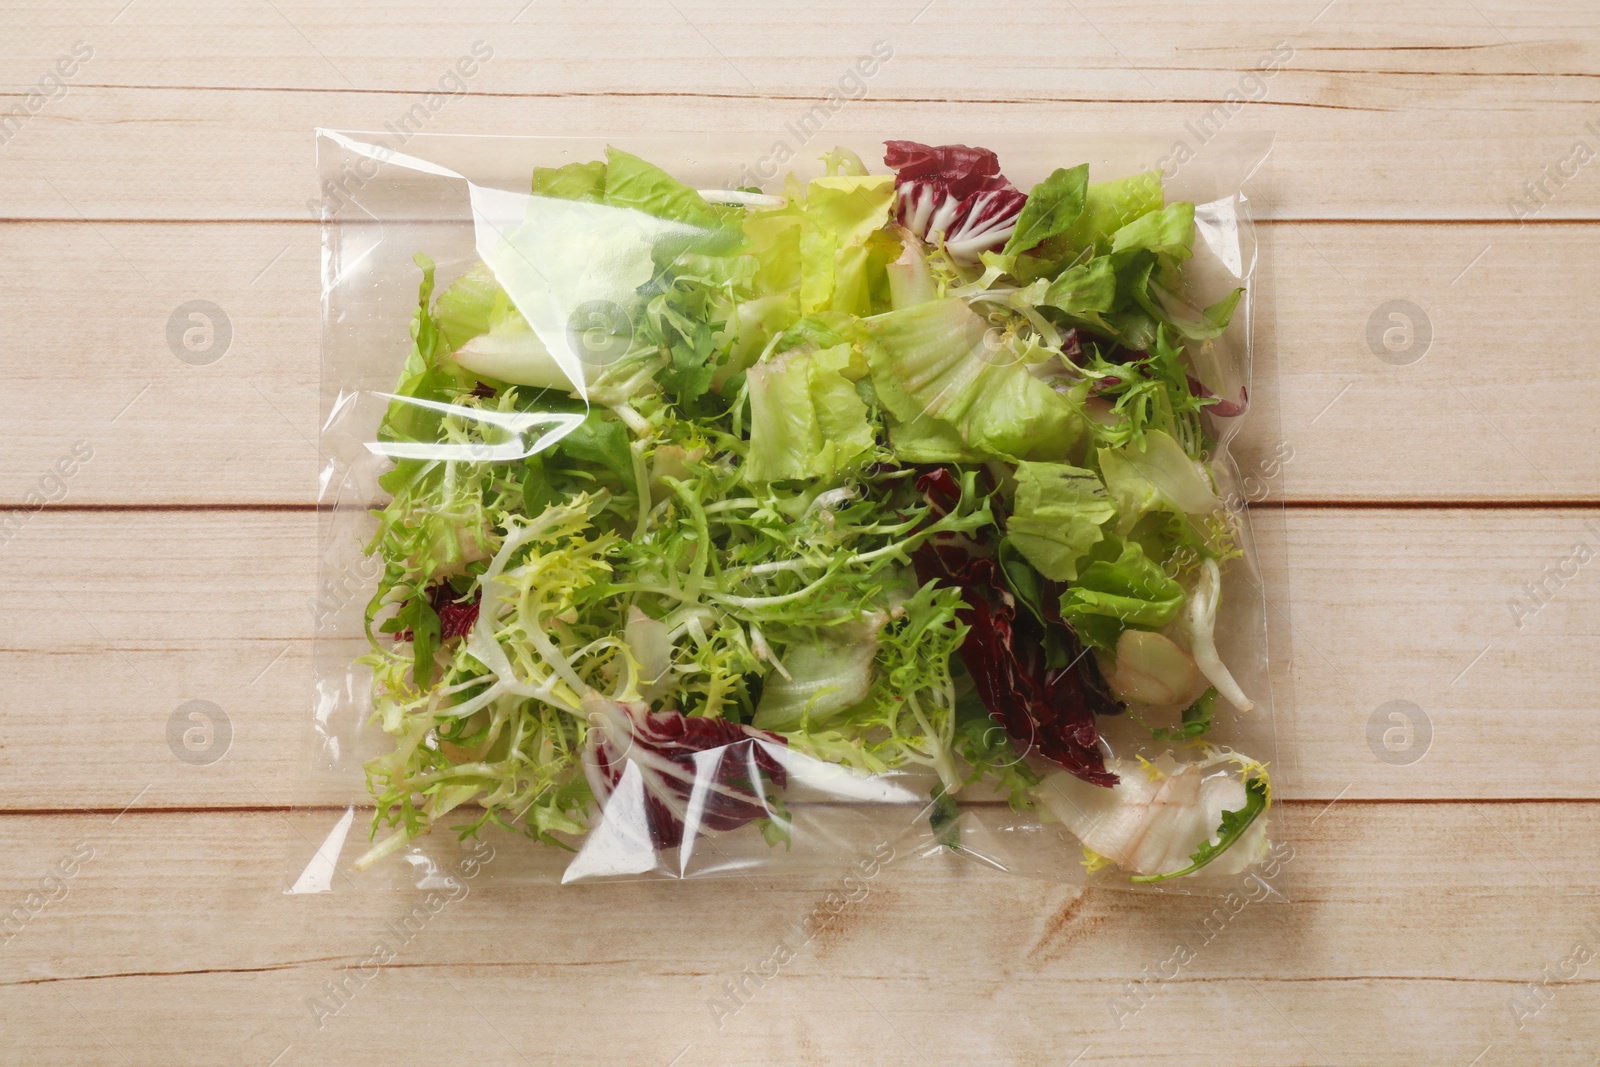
{"x":910,"y":972}
{"x":1430,"y":896}
{"x":244,"y":428}
{"x":1431,"y":110}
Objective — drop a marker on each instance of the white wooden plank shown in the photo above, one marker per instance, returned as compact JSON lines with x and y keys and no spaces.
{"x":183,"y":912}
{"x":189,"y":109}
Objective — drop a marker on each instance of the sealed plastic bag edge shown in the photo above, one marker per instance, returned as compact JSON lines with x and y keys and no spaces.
{"x":385,"y":216}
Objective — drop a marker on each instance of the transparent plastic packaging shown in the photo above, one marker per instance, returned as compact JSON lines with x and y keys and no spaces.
{"x":589,"y":760}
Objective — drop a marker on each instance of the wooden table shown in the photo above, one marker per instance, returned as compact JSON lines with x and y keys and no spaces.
{"x":176,"y":562}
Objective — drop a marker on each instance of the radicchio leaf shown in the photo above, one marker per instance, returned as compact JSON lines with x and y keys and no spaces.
{"x":1046,"y":711}
{"x":957,"y":191}
{"x":455,"y":617}
{"x":702,"y":771}
{"x":965,"y":170}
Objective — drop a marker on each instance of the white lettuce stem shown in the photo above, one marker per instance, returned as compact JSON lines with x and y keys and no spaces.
{"x":641,"y":481}
{"x":1202,"y":622}
{"x":948,"y":776}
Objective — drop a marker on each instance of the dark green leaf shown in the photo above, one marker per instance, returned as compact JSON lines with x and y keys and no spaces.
{"x":536,"y":491}
{"x":986,"y":746}
{"x":688,"y":374}
{"x":600,"y":441}
{"x":1196,"y":720}
{"x":419,"y":617}
{"x":944,"y":819}
{"x":1052,"y":207}
{"x":1022,"y":578}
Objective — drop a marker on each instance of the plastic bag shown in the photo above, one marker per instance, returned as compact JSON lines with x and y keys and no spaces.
{"x":601,"y":696}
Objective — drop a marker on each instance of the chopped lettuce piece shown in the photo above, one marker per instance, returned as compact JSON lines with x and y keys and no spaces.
{"x":1158,"y":477}
{"x":820,"y":679}
{"x":774,"y":241}
{"x":937,"y":363}
{"x":806,"y":418}
{"x":1109,"y":597}
{"x":1053,"y":206}
{"x":911,"y":280}
{"x":1086,"y":291}
{"x":849,"y":208}
{"x":468,"y":305}
{"x":837,"y":256}
{"x":1109,"y":206}
{"x":575,"y":181}
{"x":1168,"y":232}
{"x":631,"y":182}
{"x":1057,"y":516}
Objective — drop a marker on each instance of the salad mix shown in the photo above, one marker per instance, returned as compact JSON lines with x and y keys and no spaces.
{"x":893,"y":471}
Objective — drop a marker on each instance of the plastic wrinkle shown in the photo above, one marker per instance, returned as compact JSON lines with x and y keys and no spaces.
{"x":698,"y":773}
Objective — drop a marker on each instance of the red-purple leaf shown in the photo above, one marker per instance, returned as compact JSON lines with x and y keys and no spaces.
{"x":955,"y":191}
{"x":455,"y":618}
{"x":1049,"y":712}
{"x":707,"y":773}
{"x":965,"y":170}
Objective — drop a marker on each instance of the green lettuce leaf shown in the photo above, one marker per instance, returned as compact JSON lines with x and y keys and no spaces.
{"x":475,"y":304}
{"x":849,"y":208}
{"x":1158,"y":477}
{"x":602,"y":441}
{"x":1052,"y":207}
{"x":752,"y":326}
{"x":633,"y":183}
{"x":774,"y":240}
{"x":1158,"y":302}
{"x":1168,"y":233}
{"x":839,"y":263}
{"x":1057,"y":515}
{"x":954,"y":395}
{"x":806,"y":418}
{"x":1111,"y":597}
{"x":575,"y":181}
{"x":464,"y":308}
{"x":417,"y":617}
{"x":427,"y":375}
{"x":825,"y":677}
{"x":1109,"y":206}
{"x":1086,"y":291}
